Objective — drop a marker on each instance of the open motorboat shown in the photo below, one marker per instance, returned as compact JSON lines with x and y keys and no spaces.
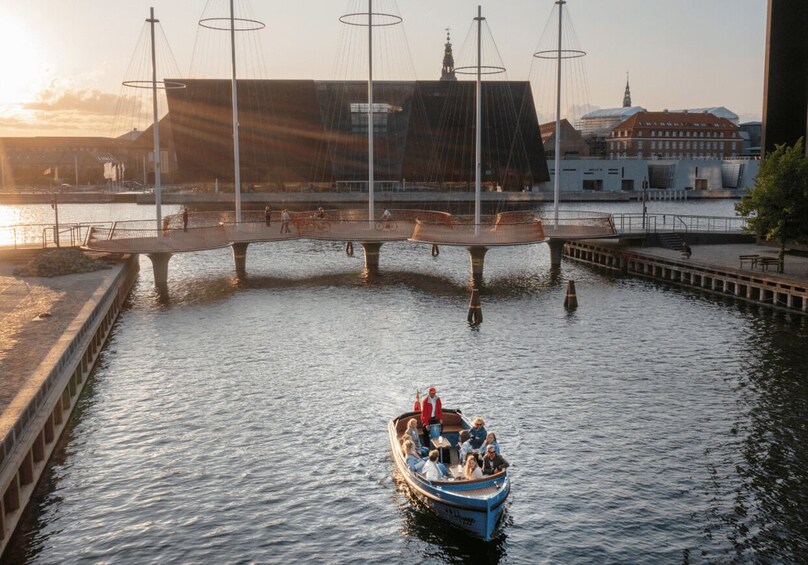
{"x":474,"y":505}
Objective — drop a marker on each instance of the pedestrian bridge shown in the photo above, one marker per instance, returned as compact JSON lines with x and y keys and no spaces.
{"x":212,"y":230}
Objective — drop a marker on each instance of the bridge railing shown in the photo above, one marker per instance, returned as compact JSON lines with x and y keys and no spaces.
{"x":653,"y":223}
{"x":32,"y":236}
{"x":507,"y":228}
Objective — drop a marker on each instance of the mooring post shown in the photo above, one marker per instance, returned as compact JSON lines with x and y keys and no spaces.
{"x":570,"y":299}
{"x":477,"y":257}
{"x":475,"y":308}
{"x":240,"y":258}
{"x":371,"y":249}
{"x":160,"y":268}
{"x":556,"y":249}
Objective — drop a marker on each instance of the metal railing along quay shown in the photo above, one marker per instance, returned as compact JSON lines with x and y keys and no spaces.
{"x":34,"y":236}
{"x":627,"y":223}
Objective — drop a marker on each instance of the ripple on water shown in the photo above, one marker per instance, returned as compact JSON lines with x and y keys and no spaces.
{"x":246,"y":421}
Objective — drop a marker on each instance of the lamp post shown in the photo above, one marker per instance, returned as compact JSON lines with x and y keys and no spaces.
{"x":644,"y":200}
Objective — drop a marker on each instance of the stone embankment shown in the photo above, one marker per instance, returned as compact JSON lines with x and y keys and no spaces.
{"x":52,"y":331}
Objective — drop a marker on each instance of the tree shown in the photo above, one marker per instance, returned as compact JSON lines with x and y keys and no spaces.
{"x":777,"y":206}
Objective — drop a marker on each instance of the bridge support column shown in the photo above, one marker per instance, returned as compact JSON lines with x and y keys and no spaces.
{"x":160,"y":267}
{"x":240,"y":258}
{"x":556,"y":249}
{"x":477,"y":257}
{"x":371,"y":249}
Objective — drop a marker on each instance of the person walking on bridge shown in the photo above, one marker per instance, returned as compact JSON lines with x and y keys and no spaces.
{"x":267,"y":214}
{"x":285,"y":222}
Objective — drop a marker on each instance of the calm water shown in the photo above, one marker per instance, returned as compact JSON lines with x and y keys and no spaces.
{"x":246,"y":421}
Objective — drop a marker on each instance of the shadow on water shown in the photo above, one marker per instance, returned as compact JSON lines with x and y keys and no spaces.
{"x":443,"y":541}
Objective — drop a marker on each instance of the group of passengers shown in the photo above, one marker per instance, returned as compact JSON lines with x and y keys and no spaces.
{"x":479,"y":453}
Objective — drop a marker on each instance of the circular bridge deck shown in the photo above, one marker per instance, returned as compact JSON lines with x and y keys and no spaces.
{"x":211,"y":230}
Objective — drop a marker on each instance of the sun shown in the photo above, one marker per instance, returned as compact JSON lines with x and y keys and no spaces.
{"x":21,"y":64}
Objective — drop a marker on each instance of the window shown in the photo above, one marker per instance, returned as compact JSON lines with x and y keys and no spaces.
{"x":653,"y":133}
{"x":653,"y":145}
{"x":381,"y":111}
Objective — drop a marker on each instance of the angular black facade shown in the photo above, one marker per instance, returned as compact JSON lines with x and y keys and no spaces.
{"x":785,"y":99}
{"x":316,"y":131}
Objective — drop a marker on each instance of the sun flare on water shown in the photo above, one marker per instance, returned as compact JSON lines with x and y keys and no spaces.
{"x":21,"y":65}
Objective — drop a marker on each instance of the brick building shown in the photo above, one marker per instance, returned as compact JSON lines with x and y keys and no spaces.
{"x":675,"y":135}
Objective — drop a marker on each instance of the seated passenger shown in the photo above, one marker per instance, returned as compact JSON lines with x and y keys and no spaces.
{"x":414,"y":436}
{"x":477,"y":433}
{"x":493,"y":462}
{"x":414,"y":462}
{"x":465,"y":445}
{"x":490,"y":439}
{"x":471,"y":470}
{"x":432,"y":470}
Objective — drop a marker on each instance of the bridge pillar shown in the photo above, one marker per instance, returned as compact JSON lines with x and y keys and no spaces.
{"x":371,"y":249}
{"x":477,"y":257}
{"x":556,"y":249}
{"x":240,"y":258}
{"x":160,"y":267}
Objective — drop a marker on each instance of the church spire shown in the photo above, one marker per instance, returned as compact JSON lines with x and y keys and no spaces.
{"x":448,"y":71}
{"x":627,"y":95}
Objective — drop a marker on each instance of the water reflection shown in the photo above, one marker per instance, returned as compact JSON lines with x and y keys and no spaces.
{"x":443,"y":541}
{"x":760,"y":508}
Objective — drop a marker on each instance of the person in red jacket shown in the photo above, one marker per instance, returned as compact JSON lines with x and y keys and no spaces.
{"x":431,"y":415}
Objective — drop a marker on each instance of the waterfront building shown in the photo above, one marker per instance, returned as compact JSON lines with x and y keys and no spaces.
{"x":628,"y":175}
{"x":675,"y":135}
{"x":315,"y":132}
{"x":750,"y":134}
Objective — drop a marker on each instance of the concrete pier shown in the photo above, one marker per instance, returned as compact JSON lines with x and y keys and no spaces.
{"x":45,"y":365}
{"x":371,"y":249}
{"x":160,"y":268}
{"x":477,"y":259}
{"x":240,"y":258}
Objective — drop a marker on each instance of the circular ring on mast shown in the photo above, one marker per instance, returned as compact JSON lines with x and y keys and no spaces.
{"x":484,"y":70}
{"x":162,"y":84}
{"x":355,"y":19}
{"x":565,"y":54}
{"x":239,"y":24}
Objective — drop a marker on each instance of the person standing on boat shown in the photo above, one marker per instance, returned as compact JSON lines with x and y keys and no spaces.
{"x":185,"y":219}
{"x":493,"y":462}
{"x":432,"y":415}
{"x":267,"y":214}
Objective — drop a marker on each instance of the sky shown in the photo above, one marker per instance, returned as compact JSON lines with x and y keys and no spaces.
{"x":62,"y":62}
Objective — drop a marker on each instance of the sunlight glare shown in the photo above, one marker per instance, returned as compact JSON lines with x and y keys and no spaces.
{"x":20,"y":63}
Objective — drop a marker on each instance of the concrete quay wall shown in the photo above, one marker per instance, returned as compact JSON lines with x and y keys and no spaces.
{"x":759,"y":287}
{"x":34,"y":421}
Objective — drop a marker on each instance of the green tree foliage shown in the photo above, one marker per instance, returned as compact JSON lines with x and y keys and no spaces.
{"x":777,"y":206}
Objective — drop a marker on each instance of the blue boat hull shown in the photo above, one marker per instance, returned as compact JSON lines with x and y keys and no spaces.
{"x":474,"y":506}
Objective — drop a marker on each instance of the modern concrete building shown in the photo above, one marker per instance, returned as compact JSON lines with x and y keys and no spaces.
{"x":628,"y":175}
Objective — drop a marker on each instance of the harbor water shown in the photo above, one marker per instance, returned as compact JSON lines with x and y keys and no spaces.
{"x":245,"y":421}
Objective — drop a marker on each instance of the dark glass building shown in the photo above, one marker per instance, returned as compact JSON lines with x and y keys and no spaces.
{"x":785,"y":99}
{"x":316,"y":131}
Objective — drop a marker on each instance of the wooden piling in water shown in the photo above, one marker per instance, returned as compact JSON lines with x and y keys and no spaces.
{"x":570,"y":299}
{"x":475,"y":309}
